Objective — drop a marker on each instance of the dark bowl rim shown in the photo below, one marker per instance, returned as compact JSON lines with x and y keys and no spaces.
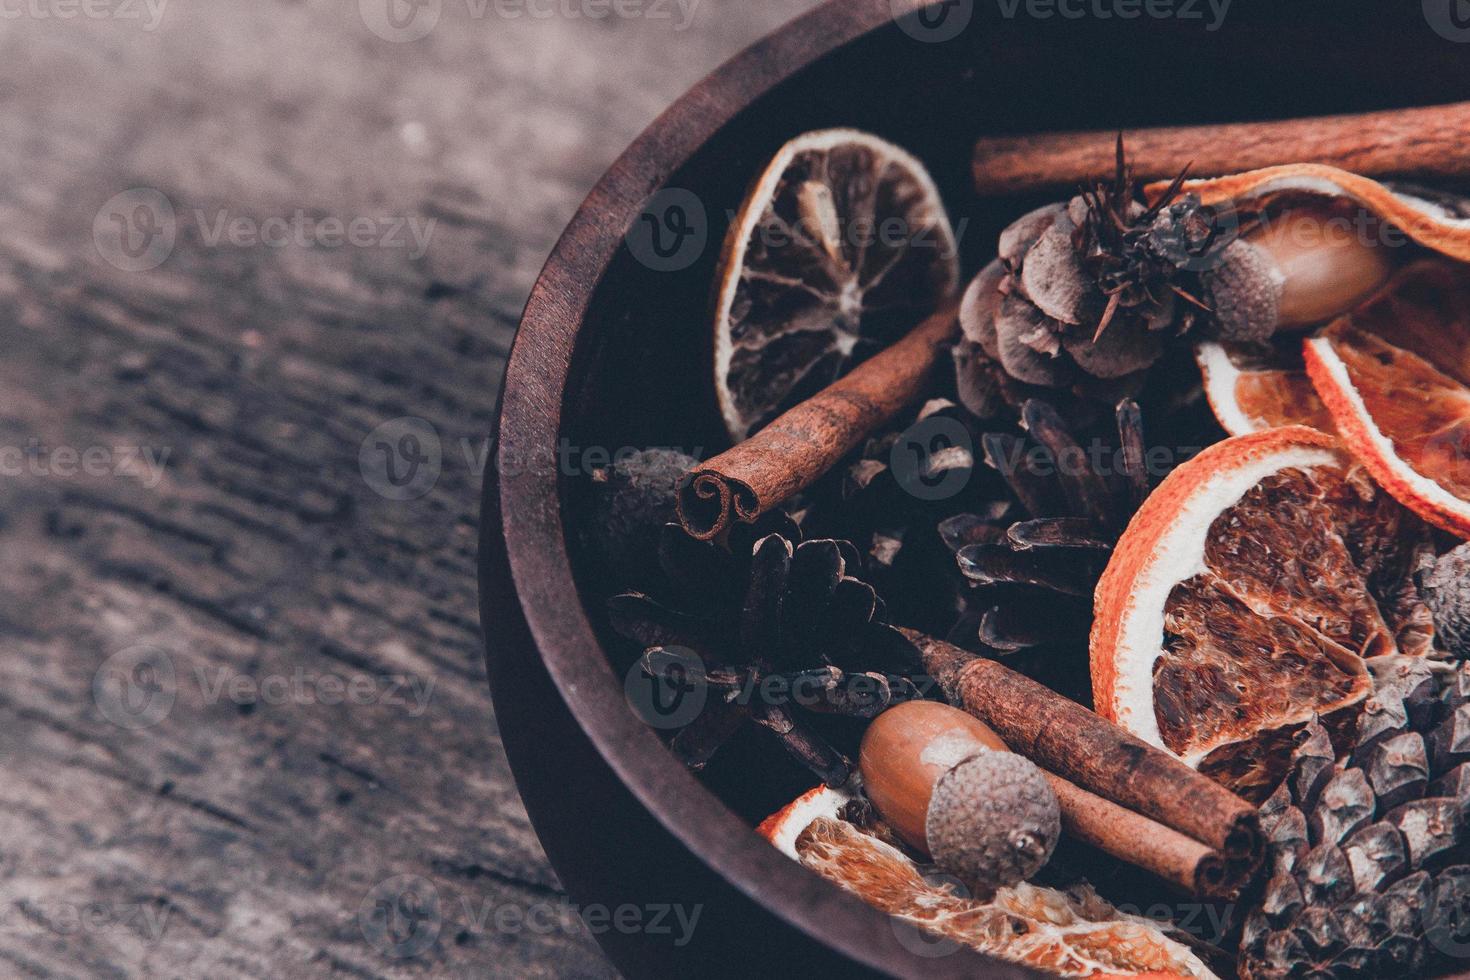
{"x":525,"y":504}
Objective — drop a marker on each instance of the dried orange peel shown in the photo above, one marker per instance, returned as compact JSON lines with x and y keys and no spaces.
{"x":1392,"y":378}
{"x":1395,"y":377}
{"x":1426,"y":222}
{"x":1073,"y":933}
{"x":1248,"y":392}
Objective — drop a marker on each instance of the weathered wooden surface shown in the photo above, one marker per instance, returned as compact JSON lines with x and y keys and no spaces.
{"x":242,"y":693}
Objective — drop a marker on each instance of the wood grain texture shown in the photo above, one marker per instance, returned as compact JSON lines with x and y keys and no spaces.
{"x":238,"y":824}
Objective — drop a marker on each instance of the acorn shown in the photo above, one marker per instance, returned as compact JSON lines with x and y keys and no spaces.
{"x":1096,"y":288}
{"x":1300,"y":268}
{"x":951,"y":789}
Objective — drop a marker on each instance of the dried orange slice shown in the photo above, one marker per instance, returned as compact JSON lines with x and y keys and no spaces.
{"x":1395,"y":376}
{"x":1245,"y":597}
{"x":1250,"y":389}
{"x":1073,"y":933}
{"x":841,"y":246}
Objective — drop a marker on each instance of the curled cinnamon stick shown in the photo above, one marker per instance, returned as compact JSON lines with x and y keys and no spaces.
{"x":1062,"y":736}
{"x":1418,"y":143}
{"x":793,"y":451}
{"x":1135,"y":839}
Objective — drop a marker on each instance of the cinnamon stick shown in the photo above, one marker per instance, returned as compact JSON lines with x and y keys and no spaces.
{"x":793,"y":451}
{"x":1417,"y":143}
{"x":1135,"y":839}
{"x":1062,"y":736}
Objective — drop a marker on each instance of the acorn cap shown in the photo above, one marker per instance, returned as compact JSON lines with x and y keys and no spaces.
{"x":993,"y":821}
{"x":1245,"y":293}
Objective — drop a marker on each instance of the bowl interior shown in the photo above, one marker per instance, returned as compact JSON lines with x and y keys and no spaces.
{"x":639,"y":368}
{"x":641,"y":372}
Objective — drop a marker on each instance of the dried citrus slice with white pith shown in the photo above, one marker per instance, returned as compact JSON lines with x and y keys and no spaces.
{"x":840,"y":248}
{"x":1251,"y":389}
{"x":1395,"y":375}
{"x":1072,"y":933}
{"x":1244,"y":598}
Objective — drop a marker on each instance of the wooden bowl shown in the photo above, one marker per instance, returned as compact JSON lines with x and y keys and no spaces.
{"x":614,"y":352}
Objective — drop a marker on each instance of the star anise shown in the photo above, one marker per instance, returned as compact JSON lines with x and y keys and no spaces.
{"x":780,"y":631}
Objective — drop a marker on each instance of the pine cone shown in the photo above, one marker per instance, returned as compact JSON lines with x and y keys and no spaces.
{"x":1367,"y":852}
{"x":782,"y":631}
{"x":1031,"y":563}
{"x":1085,"y":293}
